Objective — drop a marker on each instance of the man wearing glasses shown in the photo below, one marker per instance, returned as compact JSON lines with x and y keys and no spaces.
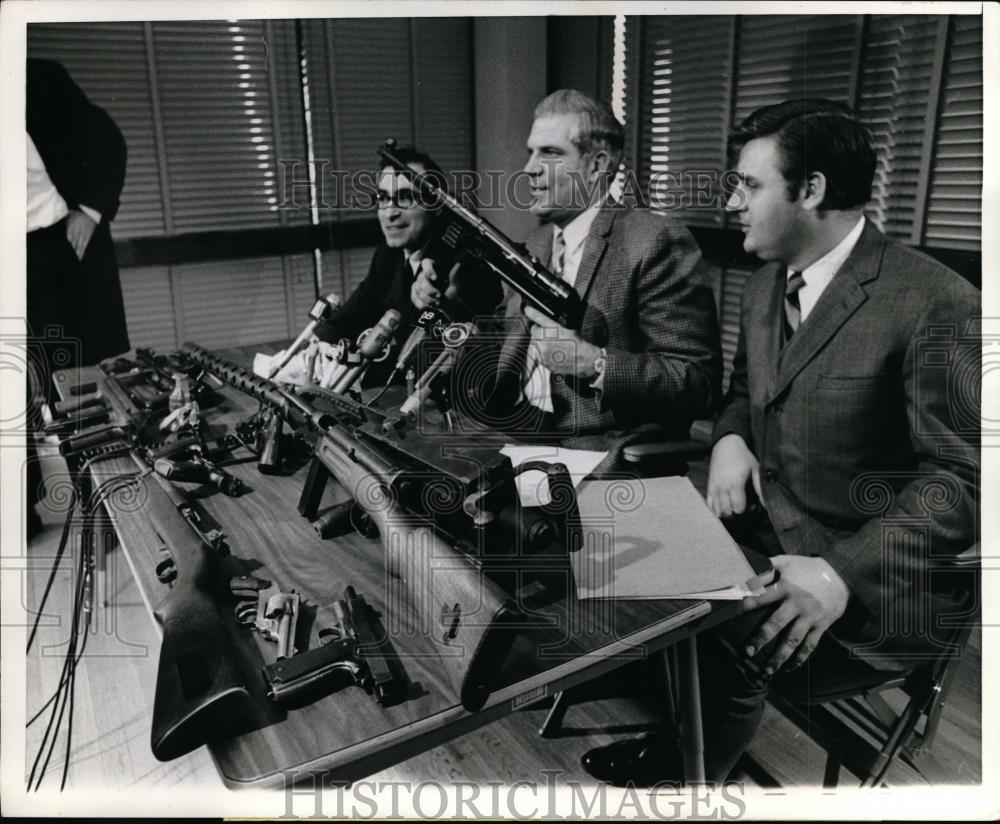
{"x":408,"y":228}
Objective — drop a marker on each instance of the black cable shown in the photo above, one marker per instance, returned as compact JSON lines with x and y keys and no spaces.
{"x":66,"y":689}
{"x":55,"y":566}
{"x":68,"y":680}
{"x":86,"y":506}
{"x":59,"y":706}
{"x":382,"y":391}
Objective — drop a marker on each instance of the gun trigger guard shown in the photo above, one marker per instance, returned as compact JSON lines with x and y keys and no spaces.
{"x":329,"y":635}
{"x":166,"y":571}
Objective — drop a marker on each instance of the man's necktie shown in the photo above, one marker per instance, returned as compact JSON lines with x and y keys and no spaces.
{"x":793,"y":311}
{"x":558,"y":252}
{"x":539,"y":375}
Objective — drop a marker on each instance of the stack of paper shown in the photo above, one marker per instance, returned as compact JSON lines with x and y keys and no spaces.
{"x":655,"y":538}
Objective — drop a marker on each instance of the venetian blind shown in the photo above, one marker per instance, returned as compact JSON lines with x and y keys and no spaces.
{"x":915,"y":79}
{"x":109,"y":62}
{"x":684,"y":88}
{"x":783,"y":56}
{"x":372,"y":79}
{"x":892,"y":100}
{"x":954,"y":213}
{"x":218,"y":124}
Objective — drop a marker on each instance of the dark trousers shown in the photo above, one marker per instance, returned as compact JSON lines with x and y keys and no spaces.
{"x":733,"y":691}
{"x":77,"y":302}
{"x":76,"y":317}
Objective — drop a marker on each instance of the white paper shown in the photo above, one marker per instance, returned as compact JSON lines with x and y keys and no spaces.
{"x":532,"y":487}
{"x":655,"y":538}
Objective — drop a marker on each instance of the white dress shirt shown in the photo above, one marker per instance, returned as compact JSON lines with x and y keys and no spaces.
{"x":537,"y":390}
{"x":819,"y":274}
{"x":46,"y":206}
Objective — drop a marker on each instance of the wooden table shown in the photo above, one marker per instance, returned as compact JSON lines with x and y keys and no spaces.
{"x":347,"y":734}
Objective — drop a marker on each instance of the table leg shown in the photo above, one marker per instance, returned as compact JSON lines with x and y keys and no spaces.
{"x":692,"y":734}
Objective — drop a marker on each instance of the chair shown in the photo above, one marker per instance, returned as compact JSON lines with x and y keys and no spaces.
{"x":843,"y":706}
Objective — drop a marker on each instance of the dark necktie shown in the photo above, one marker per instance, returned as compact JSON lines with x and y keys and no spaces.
{"x":793,"y":311}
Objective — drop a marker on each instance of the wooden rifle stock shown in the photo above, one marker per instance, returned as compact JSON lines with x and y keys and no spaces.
{"x":200,"y":692}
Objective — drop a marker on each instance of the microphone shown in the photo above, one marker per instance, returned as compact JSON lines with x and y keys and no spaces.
{"x":453,"y":337}
{"x":370,"y":348}
{"x":428,"y":319}
{"x":322,"y":310}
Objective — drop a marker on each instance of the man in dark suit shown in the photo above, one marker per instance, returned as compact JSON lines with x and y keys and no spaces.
{"x":410,"y":249}
{"x":646,"y":356}
{"x":853,"y":415}
{"x":76,"y":171}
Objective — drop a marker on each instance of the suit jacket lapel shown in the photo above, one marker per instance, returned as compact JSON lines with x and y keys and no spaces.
{"x":540,"y":245}
{"x":839,"y":301}
{"x":593,"y":249}
{"x":771,"y":340}
{"x":515,"y":344}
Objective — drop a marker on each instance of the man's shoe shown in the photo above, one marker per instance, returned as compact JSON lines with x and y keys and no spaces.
{"x":643,"y":761}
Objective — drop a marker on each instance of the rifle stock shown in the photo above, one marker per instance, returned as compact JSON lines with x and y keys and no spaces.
{"x":443,"y":592}
{"x":200,"y":692}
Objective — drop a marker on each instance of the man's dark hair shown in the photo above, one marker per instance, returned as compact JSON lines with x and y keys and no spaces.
{"x":411,"y":154}
{"x":816,"y":135}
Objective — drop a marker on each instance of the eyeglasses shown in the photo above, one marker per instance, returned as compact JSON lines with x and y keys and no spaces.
{"x":403,"y":199}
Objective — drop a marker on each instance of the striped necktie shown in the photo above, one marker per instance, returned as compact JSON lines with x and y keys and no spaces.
{"x":558,"y":252}
{"x":793,"y":311}
{"x":538,"y":385}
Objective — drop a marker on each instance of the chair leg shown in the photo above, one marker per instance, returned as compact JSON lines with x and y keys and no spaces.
{"x":831,"y":772}
{"x":552,"y":724}
{"x":897,"y":739}
{"x":692,"y":734}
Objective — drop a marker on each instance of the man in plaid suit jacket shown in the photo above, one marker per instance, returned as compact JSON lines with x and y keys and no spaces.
{"x":853,"y":413}
{"x":646,"y":357}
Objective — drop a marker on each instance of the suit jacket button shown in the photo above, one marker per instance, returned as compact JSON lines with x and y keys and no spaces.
{"x":770,"y":476}
{"x":557,"y":378}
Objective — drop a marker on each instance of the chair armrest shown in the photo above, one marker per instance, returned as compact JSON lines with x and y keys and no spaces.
{"x":650,"y":451}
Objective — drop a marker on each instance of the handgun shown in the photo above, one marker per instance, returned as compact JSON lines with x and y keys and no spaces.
{"x":353,"y":648}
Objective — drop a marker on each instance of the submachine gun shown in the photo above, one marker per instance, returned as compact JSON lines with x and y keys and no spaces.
{"x":463,"y":230}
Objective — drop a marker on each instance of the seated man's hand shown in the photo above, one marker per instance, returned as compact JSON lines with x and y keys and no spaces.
{"x":313,"y":366}
{"x":425,"y":292}
{"x":810,"y":596}
{"x":79,"y":230}
{"x":559,"y":349}
{"x":732,"y":464}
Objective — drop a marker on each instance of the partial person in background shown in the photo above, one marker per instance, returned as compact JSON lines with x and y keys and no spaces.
{"x":75,"y":172}
{"x":408,"y":227}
